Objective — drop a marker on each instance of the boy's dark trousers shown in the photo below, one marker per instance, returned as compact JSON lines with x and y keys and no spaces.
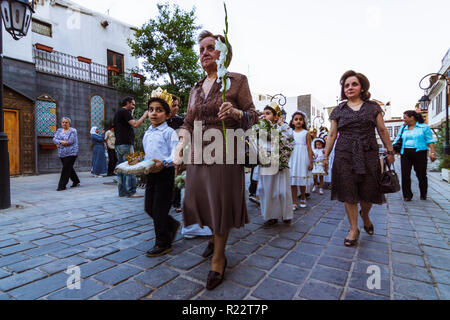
{"x":176,"y":198}
{"x":419,"y":161}
{"x":112,"y":161}
{"x":158,"y":200}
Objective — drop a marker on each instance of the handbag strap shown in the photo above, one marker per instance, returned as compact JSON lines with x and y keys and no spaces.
{"x":388,"y":166}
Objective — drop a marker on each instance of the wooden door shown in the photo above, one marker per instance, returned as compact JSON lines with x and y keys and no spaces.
{"x":12,"y":130}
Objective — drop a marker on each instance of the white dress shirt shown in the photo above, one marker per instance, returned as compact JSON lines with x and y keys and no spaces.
{"x":160,"y":143}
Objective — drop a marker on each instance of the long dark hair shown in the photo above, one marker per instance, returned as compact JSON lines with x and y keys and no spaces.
{"x":291,"y":124}
{"x":417,"y":116}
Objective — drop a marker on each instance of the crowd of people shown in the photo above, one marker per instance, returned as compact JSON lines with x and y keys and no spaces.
{"x":215,"y":200}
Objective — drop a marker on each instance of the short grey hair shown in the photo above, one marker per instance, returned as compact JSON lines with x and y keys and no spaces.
{"x":68,"y":119}
{"x":206,"y":34}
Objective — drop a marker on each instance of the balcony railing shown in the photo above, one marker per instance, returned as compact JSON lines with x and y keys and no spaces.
{"x":68,"y":66}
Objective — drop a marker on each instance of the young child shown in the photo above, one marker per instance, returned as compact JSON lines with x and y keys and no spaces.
{"x":318,"y":171}
{"x":301,"y":162}
{"x":274,"y":190}
{"x":159,"y":145}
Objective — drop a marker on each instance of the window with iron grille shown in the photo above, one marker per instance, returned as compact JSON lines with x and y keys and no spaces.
{"x":439,"y":103}
{"x":41,"y":27}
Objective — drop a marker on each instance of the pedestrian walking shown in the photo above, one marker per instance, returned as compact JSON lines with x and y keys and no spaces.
{"x":415,"y":139}
{"x":357,"y":169}
{"x":124,"y":124}
{"x":301,"y":162}
{"x":98,"y":167}
{"x":219,"y":200}
{"x":66,"y":139}
{"x":159,"y":145}
{"x":318,"y":171}
{"x":274,"y":190}
{"x":110,"y":139}
{"x":175,"y":122}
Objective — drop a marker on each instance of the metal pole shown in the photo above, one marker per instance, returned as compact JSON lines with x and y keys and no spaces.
{"x":5,"y":193}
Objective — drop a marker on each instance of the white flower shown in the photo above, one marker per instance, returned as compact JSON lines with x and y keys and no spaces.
{"x":228,"y":86}
{"x":221,"y":71}
{"x":222,"y":47}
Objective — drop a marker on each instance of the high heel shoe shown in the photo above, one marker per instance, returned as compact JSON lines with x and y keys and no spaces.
{"x":352,"y":243}
{"x":370,"y":230}
{"x":215,"y":278}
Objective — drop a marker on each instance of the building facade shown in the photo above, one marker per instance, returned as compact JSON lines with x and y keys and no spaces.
{"x":313,"y":108}
{"x":63,"y":68}
{"x":438,"y":95}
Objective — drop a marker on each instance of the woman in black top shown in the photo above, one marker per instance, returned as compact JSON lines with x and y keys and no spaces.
{"x":357,"y":169}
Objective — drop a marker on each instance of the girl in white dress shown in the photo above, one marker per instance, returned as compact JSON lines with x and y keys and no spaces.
{"x":301,"y":162}
{"x":318,"y":171}
{"x":274,"y":190}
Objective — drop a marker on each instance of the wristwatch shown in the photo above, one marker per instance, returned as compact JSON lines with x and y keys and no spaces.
{"x":165,"y":163}
{"x":391,"y":153}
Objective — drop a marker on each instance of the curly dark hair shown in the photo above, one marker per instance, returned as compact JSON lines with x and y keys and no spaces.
{"x":365,"y":84}
{"x":411,"y":113}
{"x":162,"y":102}
{"x":291,"y":124}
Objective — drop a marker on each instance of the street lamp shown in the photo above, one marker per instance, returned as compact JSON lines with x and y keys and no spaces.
{"x":16,"y":15}
{"x":425,"y":102}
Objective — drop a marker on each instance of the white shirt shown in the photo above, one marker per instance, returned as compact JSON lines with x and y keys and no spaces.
{"x":159,"y":143}
{"x":110,"y":139}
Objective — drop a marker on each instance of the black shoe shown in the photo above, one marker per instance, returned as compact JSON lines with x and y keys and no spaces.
{"x":308,"y":195}
{"x":173,"y":233}
{"x":287,"y":221}
{"x":270,"y":224}
{"x":370,"y":230}
{"x":423,"y":198}
{"x":61,"y":189}
{"x":215,"y":278}
{"x":408,"y":199}
{"x":158,"y":251}
{"x":352,"y":243}
{"x":209,"y":251}
{"x":75,"y":185}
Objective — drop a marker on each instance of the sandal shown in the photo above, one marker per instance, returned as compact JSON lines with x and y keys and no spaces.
{"x":352,"y":243}
{"x":370,"y":230}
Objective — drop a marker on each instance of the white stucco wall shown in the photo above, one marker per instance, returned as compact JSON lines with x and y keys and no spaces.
{"x":75,"y":31}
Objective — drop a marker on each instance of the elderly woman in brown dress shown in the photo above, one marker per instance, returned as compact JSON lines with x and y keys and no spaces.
{"x":215,"y":194}
{"x":357,"y":169}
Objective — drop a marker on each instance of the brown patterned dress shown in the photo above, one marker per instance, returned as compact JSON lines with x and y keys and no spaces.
{"x":215,"y":194}
{"x":356,"y":167}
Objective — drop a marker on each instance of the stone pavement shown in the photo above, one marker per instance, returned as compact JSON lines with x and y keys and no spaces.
{"x":108,"y":236}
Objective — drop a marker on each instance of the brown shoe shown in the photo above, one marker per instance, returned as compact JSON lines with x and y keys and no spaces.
{"x":209,"y":250}
{"x":215,"y":278}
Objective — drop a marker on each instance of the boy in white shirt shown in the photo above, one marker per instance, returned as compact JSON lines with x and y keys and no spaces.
{"x":159,"y":145}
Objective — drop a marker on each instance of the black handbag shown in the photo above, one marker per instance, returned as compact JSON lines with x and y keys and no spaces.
{"x":398,"y":146}
{"x":389,"y":179}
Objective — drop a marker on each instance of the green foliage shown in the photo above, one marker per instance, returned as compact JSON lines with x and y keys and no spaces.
{"x":440,"y":142}
{"x":445,"y":164}
{"x":166,"y":44}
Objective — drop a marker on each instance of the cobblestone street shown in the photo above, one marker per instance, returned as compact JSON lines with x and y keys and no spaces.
{"x":107,"y":236}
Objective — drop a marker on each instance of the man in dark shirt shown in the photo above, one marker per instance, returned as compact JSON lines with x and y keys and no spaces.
{"x":175,"y":122}
{"x":124,"y":124}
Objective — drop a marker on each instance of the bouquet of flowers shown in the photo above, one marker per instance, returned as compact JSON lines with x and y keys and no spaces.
{"x":180,"y":180}
{"x":282,"y":149}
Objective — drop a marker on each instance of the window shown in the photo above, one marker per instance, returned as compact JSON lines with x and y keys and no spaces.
{"x":45,"y":116}
{"x":41,"y":27}
{"x":396,"y":131}
{"x":313,"y":111}
{"x":439,"y":103}
{"x":115,"y":65}
{"x":97,"y":111}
